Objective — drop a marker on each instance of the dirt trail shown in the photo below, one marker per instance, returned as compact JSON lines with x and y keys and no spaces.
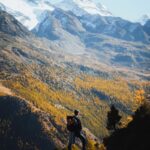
{"x":5,"y":90}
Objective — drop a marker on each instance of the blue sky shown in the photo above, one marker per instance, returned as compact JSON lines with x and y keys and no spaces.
{"x":128,"y":9}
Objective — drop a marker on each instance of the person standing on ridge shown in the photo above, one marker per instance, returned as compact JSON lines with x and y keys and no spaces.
{"x":74,"y":127}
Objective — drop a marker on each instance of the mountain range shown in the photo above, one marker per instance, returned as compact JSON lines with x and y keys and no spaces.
{"x":36,"y":8}
{"x":54,"y":60}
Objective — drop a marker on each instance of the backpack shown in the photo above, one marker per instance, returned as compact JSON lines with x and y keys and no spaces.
{"x":72,"y":123}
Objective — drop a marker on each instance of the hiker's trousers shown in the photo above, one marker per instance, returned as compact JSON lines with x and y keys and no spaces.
{"x":72,"y":136}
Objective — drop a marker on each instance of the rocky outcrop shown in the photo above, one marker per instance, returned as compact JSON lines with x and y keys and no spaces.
{"x":9,"y":25}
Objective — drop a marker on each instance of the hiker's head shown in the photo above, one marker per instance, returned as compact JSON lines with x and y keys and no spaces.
{"x":76,"y":112}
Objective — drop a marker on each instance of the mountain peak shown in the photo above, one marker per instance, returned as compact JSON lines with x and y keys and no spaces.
{"x":21,"y":9}
{"x":26,"y":11}
{"x":81,"y":7}
{"x":9,"y":25}
{"x":144,"y":19}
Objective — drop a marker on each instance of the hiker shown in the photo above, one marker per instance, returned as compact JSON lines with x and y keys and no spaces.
{"x":74,"y":126}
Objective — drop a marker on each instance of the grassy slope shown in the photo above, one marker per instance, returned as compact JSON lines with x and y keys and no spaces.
{"x":21,"y":128}
{"x":58,"y":90}
{"x":59,"y":102}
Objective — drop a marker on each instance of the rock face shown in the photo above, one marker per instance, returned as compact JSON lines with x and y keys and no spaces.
{"x":57,"y":22}
{"x":10,"y":25}
{"x":115,"y":27}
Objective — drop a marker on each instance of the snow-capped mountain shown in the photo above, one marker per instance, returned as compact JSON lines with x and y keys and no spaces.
{"x":81,"y":7}
{"x":18,"y":15}
{"x":30,"y":12}
{"x":144,"y":19}
{"x":75,"y":17}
